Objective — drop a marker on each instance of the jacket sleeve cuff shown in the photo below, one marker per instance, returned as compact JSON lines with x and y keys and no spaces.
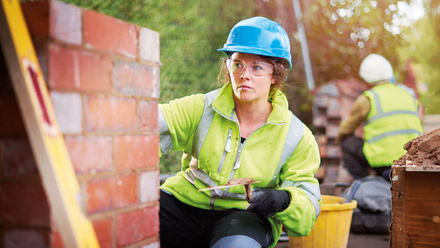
{"x":299,"y":217}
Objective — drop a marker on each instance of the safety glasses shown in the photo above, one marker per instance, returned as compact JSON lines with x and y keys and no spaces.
{"x":257,"y":68}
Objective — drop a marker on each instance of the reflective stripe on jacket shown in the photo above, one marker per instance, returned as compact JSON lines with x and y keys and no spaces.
{"x":280,"y":154}
{"x":392,"y":121}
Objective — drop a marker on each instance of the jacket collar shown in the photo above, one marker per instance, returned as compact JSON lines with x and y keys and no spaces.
{"x":224,"y":104}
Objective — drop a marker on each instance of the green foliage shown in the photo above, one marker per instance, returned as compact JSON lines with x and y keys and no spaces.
{"x":422,"y":47}
{"x":191,"y":31}
{"x":342,"y":33}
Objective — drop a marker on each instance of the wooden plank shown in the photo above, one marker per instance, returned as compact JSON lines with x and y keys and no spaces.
{"x":398,"y":194}
{"x":422,"y":211}
{"x":58,"y":176}
{"x":425,"y":168}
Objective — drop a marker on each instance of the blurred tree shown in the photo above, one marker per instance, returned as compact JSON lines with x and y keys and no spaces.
{"x":341,"y":33}
{"x":422,"y":48}
{"x":191,"y":31}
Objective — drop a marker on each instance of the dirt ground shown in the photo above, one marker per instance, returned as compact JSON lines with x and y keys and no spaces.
{"x":356,"y":240}
{"x":373,"y":240}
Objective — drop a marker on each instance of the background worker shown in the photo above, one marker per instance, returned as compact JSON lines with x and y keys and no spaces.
{"x":389,"y":115}
{"x":242,"y":130}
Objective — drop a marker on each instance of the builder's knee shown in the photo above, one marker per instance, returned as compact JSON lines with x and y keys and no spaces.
{"x":236,"y":241}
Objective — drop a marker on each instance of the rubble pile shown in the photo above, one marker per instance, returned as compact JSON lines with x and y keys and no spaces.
{"x":422,"y":151}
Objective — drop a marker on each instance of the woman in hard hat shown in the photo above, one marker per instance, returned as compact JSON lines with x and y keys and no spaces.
{"x":242,"y":130}
{"x":389,"y":115}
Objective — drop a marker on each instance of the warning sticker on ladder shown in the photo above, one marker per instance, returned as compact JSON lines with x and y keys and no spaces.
{"x":46,"y":119}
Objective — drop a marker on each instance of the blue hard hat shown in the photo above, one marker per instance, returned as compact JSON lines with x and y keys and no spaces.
{"x":261,"y":36}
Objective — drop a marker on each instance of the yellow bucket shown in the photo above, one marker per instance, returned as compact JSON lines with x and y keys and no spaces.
{"x":332,"y":227}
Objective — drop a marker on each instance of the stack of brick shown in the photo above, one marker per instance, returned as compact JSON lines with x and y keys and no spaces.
{"x":103,"y":79}
{"x":332,"y":102}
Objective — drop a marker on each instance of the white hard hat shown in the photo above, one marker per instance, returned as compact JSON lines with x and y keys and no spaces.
{"x":375,"y":68}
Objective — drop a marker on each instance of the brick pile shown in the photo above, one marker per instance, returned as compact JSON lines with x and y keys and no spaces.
{"x":332,"y":102}
{"x":103,"y":79}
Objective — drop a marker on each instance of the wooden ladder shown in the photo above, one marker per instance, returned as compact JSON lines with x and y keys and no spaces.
{"x":56,"y":171}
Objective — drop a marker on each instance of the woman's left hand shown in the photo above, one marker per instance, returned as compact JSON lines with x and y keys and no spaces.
{"x":270,"y":203}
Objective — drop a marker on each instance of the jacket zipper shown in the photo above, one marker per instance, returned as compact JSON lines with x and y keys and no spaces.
{"x":237,"y":159}
{"x":227,"y":150}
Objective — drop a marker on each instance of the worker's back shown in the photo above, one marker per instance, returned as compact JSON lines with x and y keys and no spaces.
{"x":392,"y":121}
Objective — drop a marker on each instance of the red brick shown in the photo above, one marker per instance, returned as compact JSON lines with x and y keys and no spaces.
{"x":333,"y":151}
{"x":132,"y":227}
{"x":110,"y":114}
{"x":110,"y":34}
{"x":103,"y":230}
{"x":149,"y":45}
{"x":136,"y":151}
{"x":11,"y":122}
{"x":95,"y":72}
{"x":111,"y":193}
{"x":149,"y":186}
{"x":17,"y":158}
{"x":90,"y":154}
{"x":24,"y":204}
{"x":331,"y":131}
{"x":148,"y":115}
{"x":320,"y":100}
{"x":319,"y":121}
{"x":99,"y":193}
{"x":350,"y":87}
{"x":333,"y":107}
{"x":331,"y":173}
{"x":63,"y":68}
{"x":68,"y":110}
{"x":65,"y":22}
{"x":125,"y":191}
{"x":71,"y":69}
{"x":321,"y":139}
{"x":136,"y":79}
{"x":322,"y":151}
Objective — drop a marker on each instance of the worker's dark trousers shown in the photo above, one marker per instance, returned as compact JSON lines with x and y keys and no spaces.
{"x":355,"y":161}
{"x":182,"y":225}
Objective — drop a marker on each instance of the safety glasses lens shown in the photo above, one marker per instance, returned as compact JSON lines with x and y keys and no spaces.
{"x":257,"y":68}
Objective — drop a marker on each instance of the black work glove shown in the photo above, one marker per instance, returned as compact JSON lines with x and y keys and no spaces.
{"x":270,"y":203}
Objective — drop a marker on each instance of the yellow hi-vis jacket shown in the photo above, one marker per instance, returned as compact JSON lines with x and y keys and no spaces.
{"x":392,"y":121}
{"x":281,"y":154}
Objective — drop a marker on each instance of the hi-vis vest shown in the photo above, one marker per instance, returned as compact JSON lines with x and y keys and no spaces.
{"x":281,"y":154}
{"x":392,"y":121}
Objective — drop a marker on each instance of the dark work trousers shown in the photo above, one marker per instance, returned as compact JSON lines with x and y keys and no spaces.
{"x":182,"y":225}
{"x":355,"y":161}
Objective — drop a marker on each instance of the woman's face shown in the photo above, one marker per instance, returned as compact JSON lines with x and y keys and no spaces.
{"x":251,"y":77}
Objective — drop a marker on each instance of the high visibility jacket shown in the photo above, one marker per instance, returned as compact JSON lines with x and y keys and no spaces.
{"x":391,"y":122}
{"x":281,"y":154}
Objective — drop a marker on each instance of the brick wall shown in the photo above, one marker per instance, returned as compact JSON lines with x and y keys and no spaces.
{"x":103,"y":79}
